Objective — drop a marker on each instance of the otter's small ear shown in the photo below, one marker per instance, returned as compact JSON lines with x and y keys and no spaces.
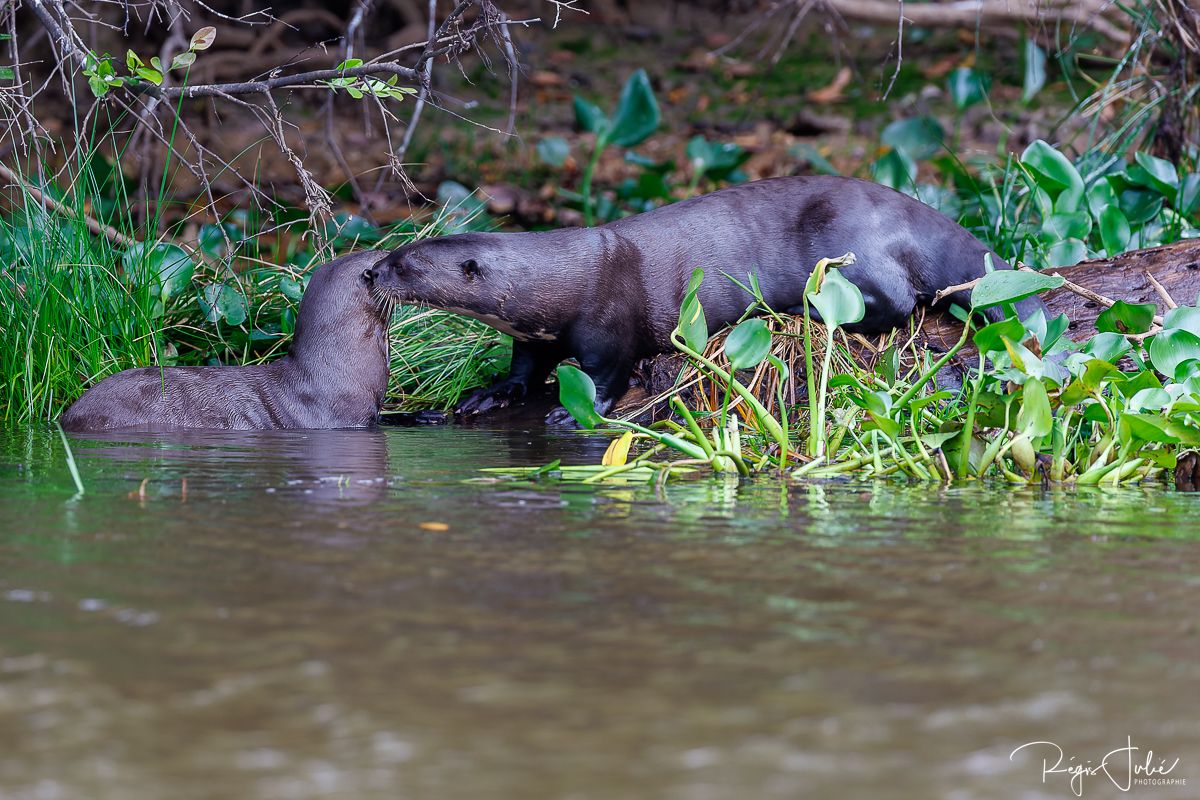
{"x":471,"y":268}
{"x":368,"y":274}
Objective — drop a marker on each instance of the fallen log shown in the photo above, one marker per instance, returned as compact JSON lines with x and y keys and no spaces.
{"x":1159,"y":275}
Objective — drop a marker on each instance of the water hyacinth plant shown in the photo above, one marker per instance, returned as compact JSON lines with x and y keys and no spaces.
{"x":1036,"y":406}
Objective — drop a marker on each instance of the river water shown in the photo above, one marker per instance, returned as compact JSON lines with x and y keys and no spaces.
{"x":347,"y":614}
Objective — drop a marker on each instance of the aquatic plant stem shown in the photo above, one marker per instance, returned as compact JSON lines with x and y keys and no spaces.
{"x":74,"y":470}
{"x":764,"y":416}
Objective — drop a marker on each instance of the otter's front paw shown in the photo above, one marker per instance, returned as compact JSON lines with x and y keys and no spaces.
{"x":493,"y":398}
{"x":561,"y":418}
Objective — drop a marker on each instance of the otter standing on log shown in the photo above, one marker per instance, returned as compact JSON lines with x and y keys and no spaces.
{"x":610,"y":295}
{"x":334,"y":375}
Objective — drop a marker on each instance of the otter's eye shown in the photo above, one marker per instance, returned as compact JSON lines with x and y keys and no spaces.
{"x":368,"y":274}
{"x":470,"y":268}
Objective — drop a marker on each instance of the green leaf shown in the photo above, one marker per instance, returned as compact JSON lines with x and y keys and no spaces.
{"x":1124,"y":317}
{"x":355,"y":92}
{"x":714,"y":160}
{"x":553,"y":150}
{"x":1009,"y":285}
{"x":577,"y":393}
{"x":1060,"y":226}
{"x":919,"y":138}
{"x":748,"y":344}
{"x":1114,"y":230}
{"x":203,"y":38}
{"x":967,"y":87}
{"x":1149,"y":399}
{"x":165,"y":268}
{"x":1035,"y":69}
{"x":1035,"y":419}
{"x":185,"y":59}
{"x":132,"y":60}
{"x":1189,"y":195}
{"x":349,"y":63}
{"x":692,"y":325}
{"x":1052,"y":170}
{"x":990,"y":338}
{"x":1173,"y":347}
{"x":637,"y":114}
{"x":1161,"y":173}
{"x":1146,"y":428}
{"x":1100,"y":196}
{"x":350,"y":229}
{"x":7,"y":74}
{"x":1107,"y":347}
{"x":839,"y":302}
{"x":291,"y":288}
{"x":1140,"y":205}
{"x":1185,"y":317}
{"x":1066,"y":253}
{"x":895,"y":169}
{"x":589,"y":117}
{"x":221,"y":301}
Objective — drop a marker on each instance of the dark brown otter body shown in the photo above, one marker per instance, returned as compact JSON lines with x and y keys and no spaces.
{"x":610,"y":295}
{"x":334,"y":375}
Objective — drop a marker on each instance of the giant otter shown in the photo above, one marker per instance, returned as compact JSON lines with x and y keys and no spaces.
{"x":610,"y":295}
{"x":334,"y":375}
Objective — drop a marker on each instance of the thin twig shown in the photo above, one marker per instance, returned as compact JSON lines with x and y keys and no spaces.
{"x":1162,"y":290}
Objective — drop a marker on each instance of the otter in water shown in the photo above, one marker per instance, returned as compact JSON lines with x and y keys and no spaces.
{"x":334,"y":375}
{"x":610,"y":295}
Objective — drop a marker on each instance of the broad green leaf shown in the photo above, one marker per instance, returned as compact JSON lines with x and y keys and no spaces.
{"x":1107,"y":347}
{"x":220,"y":301}
{"x":1146,"y":428}
{"x":1184,"y":317}
{"x":1059,"y":226}
{"x":919,"y":138}
{"x":151,"y":75}
{"x":132,"y":60}
{"x":1151,"y":399}
{"x":715,"y":160}
{"x":1189,"y":195}
{"x":1051,"y":168}
{"x":166,"y":268}
{"x":967,"y":87}
{"x":589,"y":117}
{"x":1125,"y":317}
{"x":1114,"y":230}
{"x":748,"y":344}
{"x":350,"y":63}
{"x":577,"y":393}
{"x":1097,"y":373}
{"x":895,"y":169}
{"x":553,"y":150}
{"x":1140,"y":205}
{"x":1035,"y":69}
{"x":1010,"y":286}
{"x":839,"y":302}
{"x":1100,"y":196}
{"x":990,"y":338}
{"x":1162,"y":173}
{"x":1066,"y":253}
{"x":203,"y":38}
{"x":637,"y":116}
{"x":1173,"y":347}
{"x":292,"y":289}
{"x":1034,"y":419}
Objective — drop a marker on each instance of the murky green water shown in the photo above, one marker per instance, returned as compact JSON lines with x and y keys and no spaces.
{"x":287,"y":629}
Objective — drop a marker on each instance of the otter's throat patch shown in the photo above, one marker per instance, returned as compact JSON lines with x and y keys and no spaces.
{"x":504,"y":326}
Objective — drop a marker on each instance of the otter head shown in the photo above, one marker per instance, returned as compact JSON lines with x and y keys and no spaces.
{"x":347,"y":300}
{"x":455,"y":273}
